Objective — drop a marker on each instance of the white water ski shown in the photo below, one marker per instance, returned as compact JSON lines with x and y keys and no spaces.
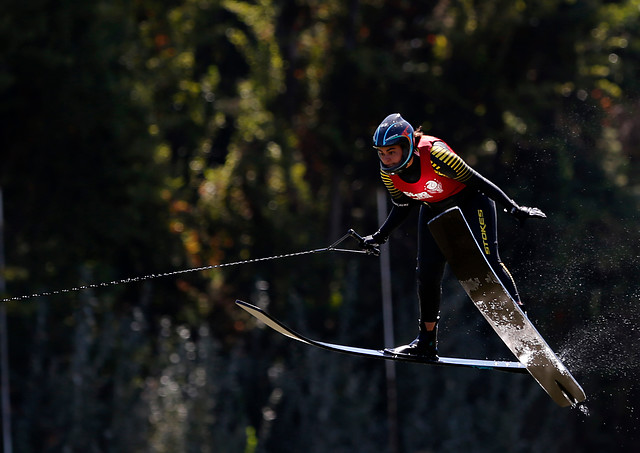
{"x":467,"y":260}
{"x":499,"y":365}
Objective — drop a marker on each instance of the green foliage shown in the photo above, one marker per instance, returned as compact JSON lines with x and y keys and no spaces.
{"x":142,"y":137}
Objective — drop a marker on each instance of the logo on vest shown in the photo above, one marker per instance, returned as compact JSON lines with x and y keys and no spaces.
{"x":431,"y":188}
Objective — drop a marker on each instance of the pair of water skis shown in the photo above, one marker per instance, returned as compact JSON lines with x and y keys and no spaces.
{"x":533,"y":354}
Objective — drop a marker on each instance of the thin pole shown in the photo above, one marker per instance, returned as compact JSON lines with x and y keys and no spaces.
{"x":4,"y":348}
{"x":387,"y":315}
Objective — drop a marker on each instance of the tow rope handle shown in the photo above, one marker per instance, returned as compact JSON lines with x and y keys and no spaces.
{"x":370,"y":249}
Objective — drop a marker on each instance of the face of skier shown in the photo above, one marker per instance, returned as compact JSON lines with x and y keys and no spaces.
{"x":390,"y":155}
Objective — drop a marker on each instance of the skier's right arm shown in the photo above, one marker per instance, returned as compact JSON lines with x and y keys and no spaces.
{"x":402,"y":206}
{"x":397,"y":215}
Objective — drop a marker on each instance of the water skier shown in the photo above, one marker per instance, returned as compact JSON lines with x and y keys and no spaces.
{"x":422,"y":171}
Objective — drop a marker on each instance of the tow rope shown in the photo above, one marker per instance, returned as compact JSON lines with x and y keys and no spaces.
{"x":366,"y":249}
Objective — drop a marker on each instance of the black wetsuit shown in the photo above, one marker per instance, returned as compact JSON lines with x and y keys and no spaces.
{"x":471,"y":192}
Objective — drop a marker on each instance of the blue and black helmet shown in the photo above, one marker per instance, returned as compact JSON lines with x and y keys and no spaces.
{"x":395,"y":130}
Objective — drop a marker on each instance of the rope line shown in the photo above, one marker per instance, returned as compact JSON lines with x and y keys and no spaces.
{"x":331,"y":248}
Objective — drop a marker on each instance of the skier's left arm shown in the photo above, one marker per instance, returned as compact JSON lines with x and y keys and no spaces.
{"x":449,"y":164}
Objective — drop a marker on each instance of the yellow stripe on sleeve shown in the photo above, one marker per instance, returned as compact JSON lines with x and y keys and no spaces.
{"x":395,"y":193}
{"x":447,"y":163}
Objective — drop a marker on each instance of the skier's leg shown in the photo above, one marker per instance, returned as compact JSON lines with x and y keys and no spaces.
{"x":429,"y":272}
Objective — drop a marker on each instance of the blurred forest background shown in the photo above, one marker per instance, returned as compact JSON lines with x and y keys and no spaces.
{"x":142,"y":137}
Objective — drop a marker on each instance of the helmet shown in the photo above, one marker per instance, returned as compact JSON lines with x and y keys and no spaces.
{"x":395,"y":130}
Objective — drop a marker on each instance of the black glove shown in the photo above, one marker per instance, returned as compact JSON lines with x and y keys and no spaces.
{"x":374,"y":240}
{"x":523,"y":213}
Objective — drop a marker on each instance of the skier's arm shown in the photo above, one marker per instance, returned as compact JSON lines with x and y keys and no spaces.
{"x":449,"y":164}
{"x":395,"y":218}
{"x":400,"y":210}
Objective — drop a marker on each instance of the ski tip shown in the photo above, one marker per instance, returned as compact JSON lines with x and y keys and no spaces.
{"x":246,"y":306}
{"x":575,"y":401}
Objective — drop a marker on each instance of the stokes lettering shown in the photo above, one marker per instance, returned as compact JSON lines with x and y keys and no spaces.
{"x":483,"y":232}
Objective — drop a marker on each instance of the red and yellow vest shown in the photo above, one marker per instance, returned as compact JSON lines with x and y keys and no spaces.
{"x":432,"y":186}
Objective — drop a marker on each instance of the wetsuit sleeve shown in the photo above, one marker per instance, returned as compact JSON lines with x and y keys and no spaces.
{"x":401,"y":209}
{"x":447,"y":163}
{"x":397,"y":215}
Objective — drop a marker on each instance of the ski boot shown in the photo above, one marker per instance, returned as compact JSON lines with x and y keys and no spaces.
{"x":425,"y":345}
